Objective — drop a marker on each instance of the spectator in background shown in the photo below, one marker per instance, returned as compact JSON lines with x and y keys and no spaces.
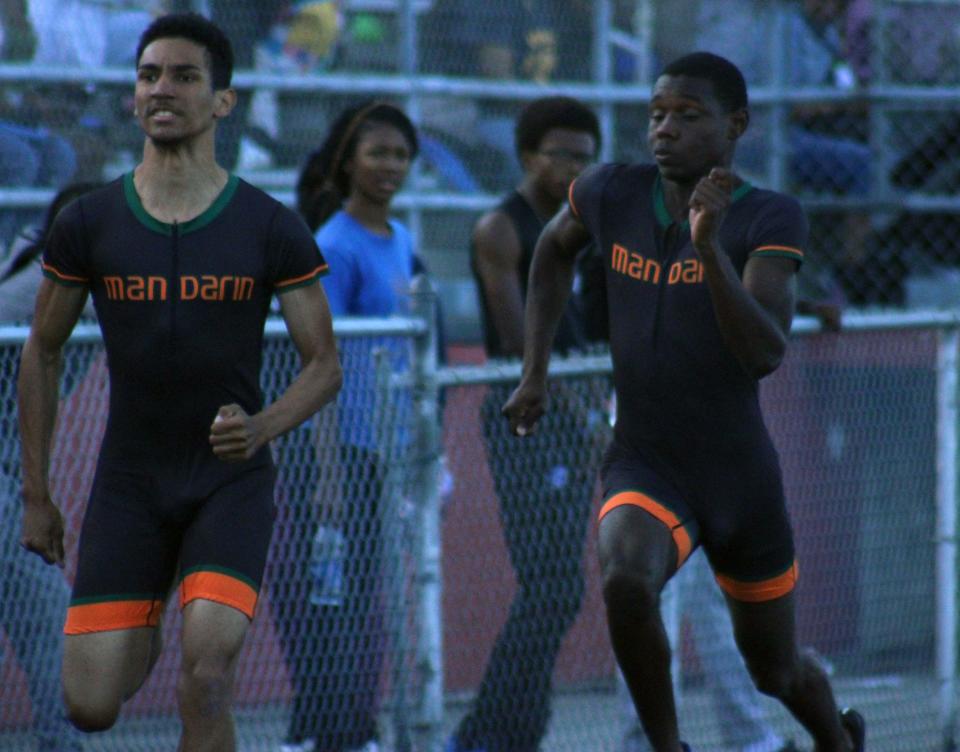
{"x":827,"y":150}
{"x":90,"y":33}
{"x":544,"y":486}
{"x":33,"y":596}
{"x":921,"y":45}
{"x":244,"y":23}
{"x":51,"y":133}
{"x":335,"y":650}
{"x":31,"y":154}
{"x":496,"y":41}
{"x":94,"y":118}
{"x":16,"y":31}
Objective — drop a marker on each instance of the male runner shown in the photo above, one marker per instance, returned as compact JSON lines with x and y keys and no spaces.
{"x":181,"y":259}
{"x":544,"y":489}
{"x":700,"y":277}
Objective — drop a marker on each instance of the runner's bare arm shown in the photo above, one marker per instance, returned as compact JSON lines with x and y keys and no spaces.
{"x":754,"y":313}
{"x":234,"y":435}
{"x":57,"y":309}
{"x":498,"y":254}
{"x":551,"y":277}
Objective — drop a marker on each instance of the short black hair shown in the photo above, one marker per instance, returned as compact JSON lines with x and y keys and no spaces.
{"x":323,"y":184}
{"x":728,"y":82}
{"x":547,"y":113}
{"x":197,"y":29}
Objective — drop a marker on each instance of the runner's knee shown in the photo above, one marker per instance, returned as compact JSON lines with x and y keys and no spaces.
{"x":205,"y":684}
{"x":772,"y":679}
{"x":630,"y":591}
{"x":89,"y":711}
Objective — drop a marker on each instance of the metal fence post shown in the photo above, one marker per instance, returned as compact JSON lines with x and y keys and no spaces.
{"x":426,"y":497}
{"x":946,"y":532}
{"x":602,"y":72}
{"x":395,"y":532}
{"x":779,"y":110}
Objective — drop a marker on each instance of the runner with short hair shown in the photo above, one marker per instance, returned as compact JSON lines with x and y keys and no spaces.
{"x":700,"y":272}
{"x":182,"y":260}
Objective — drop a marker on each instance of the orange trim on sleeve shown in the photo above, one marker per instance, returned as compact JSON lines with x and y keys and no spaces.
{"x":765,"y":590}
{"x":573,"y":206}
{"x":61,"y":276}
{"x":86,"y":618}
{"x":634,"y":498}
{"x":316,"y":272}
{"x":778,"y":250}
{"x":219,"y":588}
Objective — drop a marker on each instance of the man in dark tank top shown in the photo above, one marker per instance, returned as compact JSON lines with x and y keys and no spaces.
{"x":544,"y":487}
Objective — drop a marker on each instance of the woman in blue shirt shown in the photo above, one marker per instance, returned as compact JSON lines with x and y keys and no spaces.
{"x":334,"y":649}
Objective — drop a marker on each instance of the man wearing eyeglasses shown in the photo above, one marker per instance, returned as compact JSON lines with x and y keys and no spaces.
{"x":544,"y":487}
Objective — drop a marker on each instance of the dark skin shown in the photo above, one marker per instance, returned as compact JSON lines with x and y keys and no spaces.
{"x":692,"y":137}
{"x":548,"y":172}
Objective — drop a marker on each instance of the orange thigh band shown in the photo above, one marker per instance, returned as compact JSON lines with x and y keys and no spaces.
{"x":681,"y":537}
{"x":88,"y":615}
{"x":762,"y":590}
{"x":228,"y":588}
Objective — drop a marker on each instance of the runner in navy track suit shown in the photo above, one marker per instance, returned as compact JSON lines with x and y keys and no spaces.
{"x":700,"y":270}
{"x":181,"y":259}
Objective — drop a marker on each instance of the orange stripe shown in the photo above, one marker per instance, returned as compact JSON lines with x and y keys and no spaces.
{"x":573,"y":206}
{"x":60,"y":275}
{"x":765,"y":590}
{"x":108,"y":615}
{"x":634,"y":498}
{"x":319,"y":270}
{"x":783,"y":248}
{"x":219,"y":588}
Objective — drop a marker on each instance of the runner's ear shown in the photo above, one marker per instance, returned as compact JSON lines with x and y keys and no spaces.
{"x":737,"y":123}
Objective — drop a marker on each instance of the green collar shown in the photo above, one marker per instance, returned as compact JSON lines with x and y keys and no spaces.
{"x":660,"y":204}
{"x":165,"y":228}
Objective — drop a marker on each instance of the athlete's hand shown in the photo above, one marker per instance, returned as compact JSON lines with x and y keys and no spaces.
{"x":42,"y":531}
{"x":233,"y":434}
{"x":524,"y":408}
{"x":708,"y":206}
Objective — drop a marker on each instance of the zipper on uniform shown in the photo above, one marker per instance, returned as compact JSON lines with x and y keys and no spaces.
{"x":671,"y":238}
{"x":174,"y":292}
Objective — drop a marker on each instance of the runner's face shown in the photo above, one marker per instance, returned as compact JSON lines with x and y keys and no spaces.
{"x":563,"y":154}
{"x":379,"y":164}
{"x":689,"y":133}
{"x":174,"y":97}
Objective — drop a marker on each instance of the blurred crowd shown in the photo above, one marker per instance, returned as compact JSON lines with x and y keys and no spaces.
{"x":850,"y":155}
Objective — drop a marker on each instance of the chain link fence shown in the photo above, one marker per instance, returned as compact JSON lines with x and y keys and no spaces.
{"x":854,"y":110}
{"x":514,"y":642}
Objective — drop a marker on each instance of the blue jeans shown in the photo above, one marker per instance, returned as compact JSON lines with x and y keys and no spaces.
{"x":816,"y":162}
{"x":31,"y":158}
{"x":829,"y":163}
